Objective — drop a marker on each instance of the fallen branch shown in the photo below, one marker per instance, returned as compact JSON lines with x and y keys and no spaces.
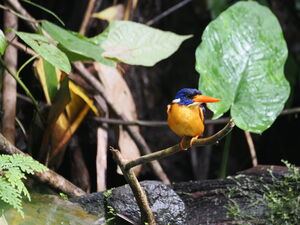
{"x":50,"y":177}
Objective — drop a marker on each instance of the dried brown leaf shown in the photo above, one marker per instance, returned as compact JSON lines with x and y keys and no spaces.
{"x":119,"y":94}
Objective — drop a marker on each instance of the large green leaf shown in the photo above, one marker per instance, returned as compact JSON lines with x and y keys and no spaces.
{"x":138,"y":44}
{"x":76,"y":45}
{"x":41,"y":45}
{"x":3,"y":43}
{"x":241,"y":60}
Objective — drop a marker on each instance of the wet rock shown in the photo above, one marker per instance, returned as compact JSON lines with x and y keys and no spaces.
{"x":167,"y":206}
{"x":92,"y":203}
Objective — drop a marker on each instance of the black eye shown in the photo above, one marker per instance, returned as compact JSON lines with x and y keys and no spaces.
{"x":190,"y":96}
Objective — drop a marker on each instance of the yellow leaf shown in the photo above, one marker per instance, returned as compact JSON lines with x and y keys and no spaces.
{"x":81,"y":93}
{"x":52,"y":83}
{"x":40,"y":73}
{"x":115,"y":12}
{"x":63,"y":140}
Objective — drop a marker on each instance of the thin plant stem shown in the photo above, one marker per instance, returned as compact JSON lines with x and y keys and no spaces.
{"x":17,"y":14}
{"x":25,"y":64}
{"x":87,"y":16}
{"x":224,"y":163}
{"x":251,"y":148}
{"x":167,"y":12}
{"x":22,"y":11}
{"x":20,"y":82}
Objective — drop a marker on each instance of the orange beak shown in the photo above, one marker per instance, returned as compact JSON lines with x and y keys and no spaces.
{"x":205,"y":99}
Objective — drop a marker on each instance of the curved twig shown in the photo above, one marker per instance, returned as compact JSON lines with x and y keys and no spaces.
{"x":167,"y":12}
{"x":172,"y":150}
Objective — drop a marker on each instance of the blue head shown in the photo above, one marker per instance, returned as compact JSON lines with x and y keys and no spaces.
{"x":185,"y":96}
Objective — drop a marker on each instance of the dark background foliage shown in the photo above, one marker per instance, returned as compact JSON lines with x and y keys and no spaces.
{"x":153,"y":88}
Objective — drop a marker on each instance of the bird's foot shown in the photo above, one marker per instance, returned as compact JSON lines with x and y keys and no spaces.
{"x":193,"y":139}
{"x":181,"y":144}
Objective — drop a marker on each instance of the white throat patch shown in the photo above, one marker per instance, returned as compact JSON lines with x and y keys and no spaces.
{"x":176,"y":100}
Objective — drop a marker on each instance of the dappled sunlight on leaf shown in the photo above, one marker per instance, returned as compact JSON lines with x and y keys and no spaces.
{"x":138,"y":44}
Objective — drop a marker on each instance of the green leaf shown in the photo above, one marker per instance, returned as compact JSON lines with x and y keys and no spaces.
{"x":75,"y":44}
{"x":3,"y":43}
{"x":51,"y":79}
{"x":138,"y":44}
{"x":241,"y":60}
{"x":41,"y":45}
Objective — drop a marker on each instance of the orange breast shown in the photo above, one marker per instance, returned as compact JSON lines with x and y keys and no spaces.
{"x":185,"y":121}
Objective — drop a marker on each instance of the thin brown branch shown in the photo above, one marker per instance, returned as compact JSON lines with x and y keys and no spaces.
{"x":22,"y":47}
{"x":152,"y":123}
{"x":129,"y":10}
{"x":251,"y":148}
{"x":159,"y":123}
{"x":139,"y":193}
{"x":167,"y":12}
{"x":17,"y":14}
{"x":134,"y":134}
{"x":172,"y":150}
{"x":9,"y":98}
{"x":87,"y":16}
{"x":290,"y":111}
{"x":50,"y":177}
{"x":15,"y":4}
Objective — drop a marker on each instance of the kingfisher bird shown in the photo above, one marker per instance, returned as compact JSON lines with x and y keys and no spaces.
{"x":186,"y":114}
